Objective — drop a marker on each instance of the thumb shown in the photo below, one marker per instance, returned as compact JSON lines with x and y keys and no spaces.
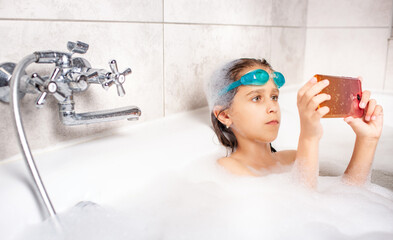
{"x":354,"y":123}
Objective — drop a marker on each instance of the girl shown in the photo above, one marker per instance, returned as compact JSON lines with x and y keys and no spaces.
{"x":243,"y":98}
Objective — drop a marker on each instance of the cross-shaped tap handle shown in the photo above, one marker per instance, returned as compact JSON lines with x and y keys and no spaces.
{"x":119,"y":78}
{"x":45,"y":87}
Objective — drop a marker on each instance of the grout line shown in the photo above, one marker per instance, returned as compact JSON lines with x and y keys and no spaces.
{"x":386,"y":64}
{"x":76,"y":20}
{"x":271,"y":44}
{"x":187,"y":23}
{"x":305,"y":42}
{"x":271,"y":32}
{"x":145,"y":22}
{"x":391,"y":23}
{"x":232,"y":25}
{"x":163,"y":59}
{"x":346,"y":27}
{"x":184,"y":23}
{"x":306,"y":14}
{"x":387,"y":49}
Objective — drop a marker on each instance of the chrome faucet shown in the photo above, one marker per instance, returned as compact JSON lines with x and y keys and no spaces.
{"x":71,"y":75}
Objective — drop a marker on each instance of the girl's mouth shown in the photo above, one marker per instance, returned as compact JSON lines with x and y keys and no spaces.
{"x":274,"y":122}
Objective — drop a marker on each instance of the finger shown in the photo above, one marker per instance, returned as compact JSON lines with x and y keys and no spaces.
{"x":318,"y":99}
{"x":354,"y":123}
{"x":365,"y":98}
{"x":379,"y":118}
{"x":370,"y":109}
{"x":306,"y":86}
{"x":314,"y":90}
{"x":323,"y":111}
{"x":377,"y":112}
{"x":348,"y":119}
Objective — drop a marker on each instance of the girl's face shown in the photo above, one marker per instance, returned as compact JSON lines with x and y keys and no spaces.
{"x":255,"y":112}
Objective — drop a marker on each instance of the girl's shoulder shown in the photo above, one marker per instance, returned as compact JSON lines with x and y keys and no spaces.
{"x":286,"y":157}
{"x":234,"y":166}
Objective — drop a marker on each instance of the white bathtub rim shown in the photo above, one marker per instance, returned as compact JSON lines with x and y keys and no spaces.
{"x":92,"y":137}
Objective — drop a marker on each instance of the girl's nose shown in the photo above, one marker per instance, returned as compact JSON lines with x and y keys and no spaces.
{"x":272,"y":107}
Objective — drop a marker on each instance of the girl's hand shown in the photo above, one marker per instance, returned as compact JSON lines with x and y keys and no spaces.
{"x":370,"y":125}
{"x":308,"y":100}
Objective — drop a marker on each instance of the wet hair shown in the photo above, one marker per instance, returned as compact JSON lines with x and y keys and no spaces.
{"x":222,"y":78}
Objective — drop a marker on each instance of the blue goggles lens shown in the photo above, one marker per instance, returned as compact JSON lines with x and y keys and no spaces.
{"x":256,"y":77}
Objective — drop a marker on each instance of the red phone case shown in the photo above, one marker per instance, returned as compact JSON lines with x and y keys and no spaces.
{"x":345,"y":93}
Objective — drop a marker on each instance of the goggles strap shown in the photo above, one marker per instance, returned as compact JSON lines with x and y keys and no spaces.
{"x":231,"y":86}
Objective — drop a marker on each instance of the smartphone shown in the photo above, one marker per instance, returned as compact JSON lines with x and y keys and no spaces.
{"x":346,"y":93}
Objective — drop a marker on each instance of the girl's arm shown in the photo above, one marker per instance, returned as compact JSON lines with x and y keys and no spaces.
{"x":359,"y":167}
{"x":308,"y":99}
{"x":368,"y":129}
{"x":306,"y":165}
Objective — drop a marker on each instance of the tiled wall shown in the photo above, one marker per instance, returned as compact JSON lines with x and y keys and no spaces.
{"x":349,"y":38}
{"x":388,"y":84}
{"x":172,"y":46}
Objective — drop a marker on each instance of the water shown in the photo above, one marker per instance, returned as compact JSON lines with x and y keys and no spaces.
{"x":203,"y":201}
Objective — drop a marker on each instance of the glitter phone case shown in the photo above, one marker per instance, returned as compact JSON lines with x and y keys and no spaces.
{"x":345,"y":93}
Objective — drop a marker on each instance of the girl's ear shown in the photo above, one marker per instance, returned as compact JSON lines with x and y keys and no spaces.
{"x":222,"y":115}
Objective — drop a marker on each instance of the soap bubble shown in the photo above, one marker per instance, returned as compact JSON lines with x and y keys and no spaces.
{"x":203,"y":201}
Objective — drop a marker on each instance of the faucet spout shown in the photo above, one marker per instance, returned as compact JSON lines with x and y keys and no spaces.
{"x":69,"y":117}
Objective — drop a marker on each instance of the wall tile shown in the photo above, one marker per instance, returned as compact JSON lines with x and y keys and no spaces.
{"x":169,"y":70}
{"x":389,"y":67}
{"x":119,"y":10}
{"x":364,"y":13}
{"x":289,"y":12}
{"x":347,"y":52}
{"x":251,"y":12}
{"x":193,"y":52}
{"x":138,"y":46}
{"x":287,"y":53}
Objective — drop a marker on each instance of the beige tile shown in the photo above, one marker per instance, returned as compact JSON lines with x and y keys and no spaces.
{"x":193,"y":52}
{"x":138,"y":46}
{"x":118,"y":10}
{"x":289,"y":12}
{"x":251,"y":12}
{"x":363,"y":13}
{"x":287,"y":53}
{"x":347,"y":52}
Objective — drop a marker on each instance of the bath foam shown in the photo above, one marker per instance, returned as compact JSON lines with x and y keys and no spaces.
{"x":204,"y":201}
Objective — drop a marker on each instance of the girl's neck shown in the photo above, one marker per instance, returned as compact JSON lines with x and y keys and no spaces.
{"x":254,"y":154}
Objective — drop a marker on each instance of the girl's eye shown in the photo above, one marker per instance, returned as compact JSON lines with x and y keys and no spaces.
{"x":256,"y":99}
{"x":275,"y":97}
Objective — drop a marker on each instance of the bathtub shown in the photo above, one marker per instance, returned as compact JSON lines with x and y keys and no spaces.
{"x":109,"y":168}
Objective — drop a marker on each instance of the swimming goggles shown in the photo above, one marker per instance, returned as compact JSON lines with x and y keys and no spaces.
{"x":256,"y":77}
